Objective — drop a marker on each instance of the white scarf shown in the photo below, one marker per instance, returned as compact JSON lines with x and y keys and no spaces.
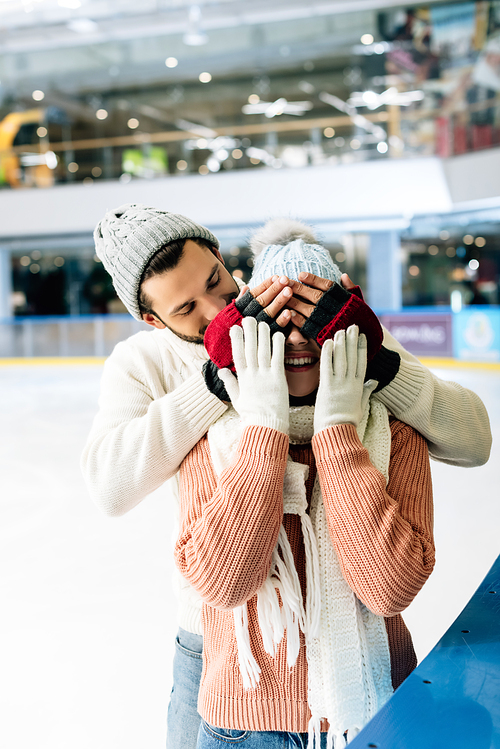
{"x":347,"y":650}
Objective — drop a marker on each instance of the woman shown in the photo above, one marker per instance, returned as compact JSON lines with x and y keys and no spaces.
{"x":306,"y":529}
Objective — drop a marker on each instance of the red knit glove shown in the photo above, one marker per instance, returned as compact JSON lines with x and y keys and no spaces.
{"x":336,"y":310}
{"x":217,"y":341}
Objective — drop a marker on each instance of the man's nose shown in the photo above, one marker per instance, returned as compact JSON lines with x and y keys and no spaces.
{"x":295,"y":336}
{"x":212,"y":305}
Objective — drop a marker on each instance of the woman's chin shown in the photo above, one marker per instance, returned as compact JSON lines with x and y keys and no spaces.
{"x":301,"y":384}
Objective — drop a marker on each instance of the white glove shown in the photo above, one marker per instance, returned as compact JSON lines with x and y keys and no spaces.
{"x":342,"y":395}
{"x":260,"y":394}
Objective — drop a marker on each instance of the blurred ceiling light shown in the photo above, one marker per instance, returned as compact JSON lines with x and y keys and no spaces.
{"x":306,"y":87}
{"x":253,"y":99}
{"x":195,"y":128}
{"x":372,"y":100}
{"x":444,"y":234}
{"x":101,"y":114}
{"x":35,"y":268}
{"x":59,"y":262}
{"x":213,"y":164}
{"x":473,"y":264}
{"x":25,"y":261}
{"x":171,"y":62}
{"x":73,"y":167}
{"x":36,"y":254}
{"x":82,"y":26}
{"x":328,"y":132}
{"x":237,"y":153}
{"x":41,"y":131}
{"x":451,"y":251}
{"x":205,"y":77}
{"x":195,"y":36}
{"x":202,"y":143}
{"x":51,"y":159}
{"x":182,"y":165}
{"x":480,"y":241}
{"x":468,"y":239}
{"x":414,"y":270}
{"x":382,"y":147}
{"x":256,"y":155}
{"x":222,"y":154}
{"x":38,"y":95}
{"x":72,"y":4}
{"x":355,"y":144}
{"x":96,"y":171}
{"x":133,"y":123}
{"x":340,"y":257}
{"x":379,"y":48}
{"x":203,"y":169}
{"x":433,"y":249}
{"x":366,"y":39}
{"x":278,"y":107}
{"x":356,"y":118}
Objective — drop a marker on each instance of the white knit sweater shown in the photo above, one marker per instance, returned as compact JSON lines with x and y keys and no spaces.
{"x":154,"y":407}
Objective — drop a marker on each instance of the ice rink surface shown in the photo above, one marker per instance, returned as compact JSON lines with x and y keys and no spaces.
{"x":87,"y":613}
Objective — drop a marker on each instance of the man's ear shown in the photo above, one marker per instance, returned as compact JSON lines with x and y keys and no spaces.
{"x":218,"y":255}
{"x":153,"y":321}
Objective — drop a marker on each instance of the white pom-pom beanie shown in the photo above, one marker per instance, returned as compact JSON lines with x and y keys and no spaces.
{"x":127,"y":238}
{"x":287,"y":247}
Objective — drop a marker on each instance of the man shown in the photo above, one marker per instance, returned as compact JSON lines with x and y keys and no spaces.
{"x":155,"y":404}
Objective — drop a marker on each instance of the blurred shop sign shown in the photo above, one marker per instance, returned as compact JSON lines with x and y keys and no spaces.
{"x":476,"y":334}
{"x":422,"y":334}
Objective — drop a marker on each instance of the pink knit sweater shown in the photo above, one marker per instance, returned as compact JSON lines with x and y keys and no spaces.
{"x":229,"y":528}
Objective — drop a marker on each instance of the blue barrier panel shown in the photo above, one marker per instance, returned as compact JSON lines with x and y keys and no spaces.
{"x":476,"y":334}
{"x":452,"y":699}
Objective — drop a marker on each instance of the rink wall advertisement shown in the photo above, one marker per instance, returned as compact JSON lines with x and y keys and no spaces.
{"x":472,"y":334}
{"x":476,"y":334}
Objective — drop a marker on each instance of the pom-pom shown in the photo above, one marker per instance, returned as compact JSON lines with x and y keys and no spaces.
{"x":280,"y":231}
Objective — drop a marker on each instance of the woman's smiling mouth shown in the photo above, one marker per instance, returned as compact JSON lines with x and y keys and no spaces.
{"x":300,"y":362}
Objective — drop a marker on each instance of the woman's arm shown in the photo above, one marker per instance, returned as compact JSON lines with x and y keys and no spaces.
{"x":229,"y":525}
{"x":382,"y":535}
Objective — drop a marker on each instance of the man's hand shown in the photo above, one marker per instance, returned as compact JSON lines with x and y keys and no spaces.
{"x":265,"y":303}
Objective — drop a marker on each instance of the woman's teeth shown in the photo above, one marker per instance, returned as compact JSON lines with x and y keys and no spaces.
{"x":300,"y":362}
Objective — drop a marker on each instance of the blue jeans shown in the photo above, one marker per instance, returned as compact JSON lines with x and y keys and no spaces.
{"x":210,"y":737}
{"x":183,"y":720}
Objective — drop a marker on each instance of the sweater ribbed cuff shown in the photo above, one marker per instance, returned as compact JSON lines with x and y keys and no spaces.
{"x":404,"y":390}
{"x":261,"y":440}
{"x":340,"y":438}
{"x":201,"y":407}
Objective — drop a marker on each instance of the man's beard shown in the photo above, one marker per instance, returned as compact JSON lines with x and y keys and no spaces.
{"x":189,"y":338}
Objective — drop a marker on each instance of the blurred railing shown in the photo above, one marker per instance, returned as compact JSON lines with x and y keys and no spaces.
{"x":92,"y":335}
{"x":473,"y":334}
{"x":422,"y":129}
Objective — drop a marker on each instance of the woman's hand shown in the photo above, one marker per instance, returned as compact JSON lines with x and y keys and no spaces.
{"x":260,"y":394}
{"x":342,"y":393}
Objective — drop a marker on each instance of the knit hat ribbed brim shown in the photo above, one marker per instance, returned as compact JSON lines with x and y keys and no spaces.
{"x":127,"y":238}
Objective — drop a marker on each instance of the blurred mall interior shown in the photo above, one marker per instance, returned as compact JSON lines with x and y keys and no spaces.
{"x":375,"y":121}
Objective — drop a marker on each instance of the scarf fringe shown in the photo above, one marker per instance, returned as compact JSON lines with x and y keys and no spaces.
{"x":249,"y":668}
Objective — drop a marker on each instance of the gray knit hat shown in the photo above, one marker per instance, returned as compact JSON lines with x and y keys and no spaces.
{"x":287,"y":247}
{"x":127,"y":238}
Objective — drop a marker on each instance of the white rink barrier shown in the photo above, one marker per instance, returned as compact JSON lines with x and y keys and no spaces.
{"x":86,"y":335}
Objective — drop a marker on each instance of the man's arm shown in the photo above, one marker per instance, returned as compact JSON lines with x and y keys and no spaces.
{"x":141,"y":434}
{"x":452,"y":418}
